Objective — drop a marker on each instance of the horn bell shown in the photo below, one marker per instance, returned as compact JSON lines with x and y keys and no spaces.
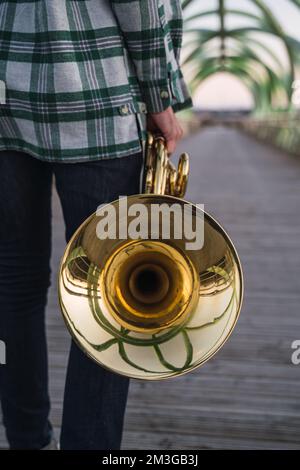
{"x":150,"y":308}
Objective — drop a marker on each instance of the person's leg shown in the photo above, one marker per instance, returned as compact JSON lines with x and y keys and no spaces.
{"x":95,"y":399}
{"x":25,"y":189}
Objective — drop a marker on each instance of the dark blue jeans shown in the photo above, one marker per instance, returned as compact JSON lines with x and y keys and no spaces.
{"x":95,"y":399}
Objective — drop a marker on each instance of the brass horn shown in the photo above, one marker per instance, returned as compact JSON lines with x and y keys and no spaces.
{"x":151,"y":307}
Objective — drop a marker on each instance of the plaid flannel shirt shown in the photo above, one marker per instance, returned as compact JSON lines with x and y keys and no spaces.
{"x":80,"y":75}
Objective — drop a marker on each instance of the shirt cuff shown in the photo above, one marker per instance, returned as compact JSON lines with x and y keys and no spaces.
{"x":158,"y":95}
{"x":182,"y":98}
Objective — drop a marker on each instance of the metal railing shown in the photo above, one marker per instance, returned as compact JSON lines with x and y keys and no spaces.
{"x":282,"y":131}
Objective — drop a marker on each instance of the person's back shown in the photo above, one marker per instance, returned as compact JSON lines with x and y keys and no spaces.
{"x":84,"y":81}
{"x":80,"y":75}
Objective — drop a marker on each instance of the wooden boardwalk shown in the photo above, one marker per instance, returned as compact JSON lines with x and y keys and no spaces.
{"x":248,"y":395}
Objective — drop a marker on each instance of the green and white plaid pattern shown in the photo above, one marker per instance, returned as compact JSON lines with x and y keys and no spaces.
{"x":81,"y":75}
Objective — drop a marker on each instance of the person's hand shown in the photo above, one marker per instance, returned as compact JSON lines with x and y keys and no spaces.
{"x":168,"y":125}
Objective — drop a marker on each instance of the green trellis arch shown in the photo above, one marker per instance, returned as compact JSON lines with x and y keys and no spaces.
{"x":238,"y":52}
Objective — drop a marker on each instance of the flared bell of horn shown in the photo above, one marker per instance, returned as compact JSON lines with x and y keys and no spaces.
{"x":150,"y":308}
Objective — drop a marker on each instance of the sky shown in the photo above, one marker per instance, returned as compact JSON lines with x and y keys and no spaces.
{"x":223,"y":90}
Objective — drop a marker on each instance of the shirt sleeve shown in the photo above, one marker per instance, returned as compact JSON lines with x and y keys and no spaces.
{"x":152,"y":31}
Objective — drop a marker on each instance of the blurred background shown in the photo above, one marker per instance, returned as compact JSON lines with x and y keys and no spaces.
{"x":240,"y":59}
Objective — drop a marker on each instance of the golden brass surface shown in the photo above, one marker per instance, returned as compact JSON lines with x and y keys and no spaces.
{"x":151,"y":308}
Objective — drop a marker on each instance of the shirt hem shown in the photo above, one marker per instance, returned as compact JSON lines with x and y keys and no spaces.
{"x":68,"y":159}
